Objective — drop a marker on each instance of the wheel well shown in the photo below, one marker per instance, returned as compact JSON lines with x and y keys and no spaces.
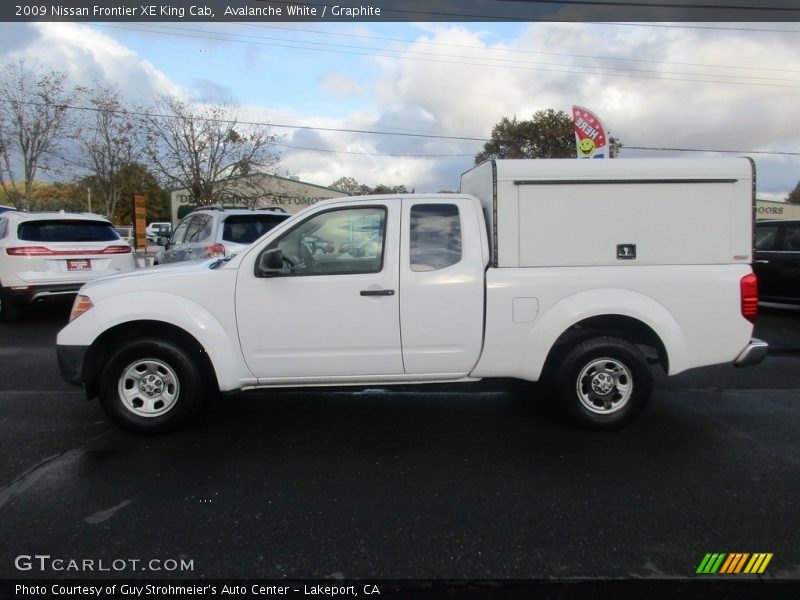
{"x":627,"y":328}
{"x":109,"y":340}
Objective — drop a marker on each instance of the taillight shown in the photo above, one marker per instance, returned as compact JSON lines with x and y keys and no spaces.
{"x":749,"y":291}
{"x":28,"y":251}
{"x":42,"y":251}
{"x":80,"y":306}
{"x":117,"y":250}
{"x":215,"y":251}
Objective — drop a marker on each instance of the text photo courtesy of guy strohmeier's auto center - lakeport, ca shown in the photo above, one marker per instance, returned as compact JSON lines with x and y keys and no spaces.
{"x":254,"y":254}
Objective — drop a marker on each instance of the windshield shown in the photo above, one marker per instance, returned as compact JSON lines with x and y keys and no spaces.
{"x":67,"y":231}
{"x":246,"y":229}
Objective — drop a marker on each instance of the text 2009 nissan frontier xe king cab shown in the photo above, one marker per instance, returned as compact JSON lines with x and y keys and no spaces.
{"x":582,"y":272}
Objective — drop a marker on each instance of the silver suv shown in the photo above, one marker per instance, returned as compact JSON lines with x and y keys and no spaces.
{"x":214,"y":232}
{"x":43,"y":255}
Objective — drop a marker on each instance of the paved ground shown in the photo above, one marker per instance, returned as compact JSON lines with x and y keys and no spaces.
{"x":470,"y":482}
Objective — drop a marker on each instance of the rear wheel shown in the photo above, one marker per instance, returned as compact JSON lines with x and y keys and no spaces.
{"x":604,"y":383}
{"x":151,"y":385}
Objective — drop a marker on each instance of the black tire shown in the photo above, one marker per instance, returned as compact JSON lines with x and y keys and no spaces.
{"x":604,"y":383}
{"x":9,"y":310}
{"x":165,"y":386}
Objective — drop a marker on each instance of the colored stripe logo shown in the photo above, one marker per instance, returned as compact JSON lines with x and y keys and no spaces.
{"x":721,"y":563}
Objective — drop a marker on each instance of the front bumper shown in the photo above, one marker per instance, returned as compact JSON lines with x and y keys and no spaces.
{"x":754,"y":353}
{"x":70,"y":363}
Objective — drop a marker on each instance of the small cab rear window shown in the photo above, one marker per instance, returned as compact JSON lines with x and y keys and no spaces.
{"x":246,"y":229}
{"x":66,"y":231}
{"x":435,"y":236}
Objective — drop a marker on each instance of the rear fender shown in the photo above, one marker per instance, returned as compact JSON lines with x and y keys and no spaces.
{"x":595,"y":303}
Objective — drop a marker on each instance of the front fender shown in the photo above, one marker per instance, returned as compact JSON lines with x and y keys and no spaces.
{"x":218,"y":338}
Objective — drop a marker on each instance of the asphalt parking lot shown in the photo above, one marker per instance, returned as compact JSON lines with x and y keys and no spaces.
{"x":476,"y":482}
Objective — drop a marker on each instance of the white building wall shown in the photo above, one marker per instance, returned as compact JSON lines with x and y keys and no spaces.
{"x":272,"y":191}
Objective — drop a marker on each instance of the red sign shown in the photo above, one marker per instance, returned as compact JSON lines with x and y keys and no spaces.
{"x":590,"y":135}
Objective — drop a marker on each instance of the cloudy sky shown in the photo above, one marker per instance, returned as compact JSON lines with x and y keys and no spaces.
{"x":679,"y":86}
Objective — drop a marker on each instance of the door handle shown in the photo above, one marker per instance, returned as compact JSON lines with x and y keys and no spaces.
{"x":377,"y":292}
{"x":763,"y":261}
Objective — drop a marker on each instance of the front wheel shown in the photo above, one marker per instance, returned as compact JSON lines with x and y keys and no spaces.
{"x":151,"y":385}
{"x":604,"y":383}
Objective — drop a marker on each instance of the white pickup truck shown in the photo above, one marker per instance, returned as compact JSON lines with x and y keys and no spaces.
{"x":583,"y":272}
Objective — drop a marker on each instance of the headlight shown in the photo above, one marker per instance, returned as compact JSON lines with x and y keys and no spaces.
{"x":80,"y":306}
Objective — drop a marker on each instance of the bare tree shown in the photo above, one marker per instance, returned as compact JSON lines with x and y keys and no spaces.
{"x":111,"y":142}
{"x":204,"y":149}
{"x":34,"y":116}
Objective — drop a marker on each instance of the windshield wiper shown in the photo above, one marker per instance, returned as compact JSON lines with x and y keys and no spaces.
{"x":220,"y":261}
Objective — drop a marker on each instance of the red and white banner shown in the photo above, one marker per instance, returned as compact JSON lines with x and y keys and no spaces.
{"x":590,"y":135}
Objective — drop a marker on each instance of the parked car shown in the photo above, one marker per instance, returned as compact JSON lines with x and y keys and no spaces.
{"x":126,"y":233}
{"x":5,"y":208}
{"x":777,"y":261}
{"x":44,"y":255}
{"x":157,"y":230}
{"x":214,"y":232}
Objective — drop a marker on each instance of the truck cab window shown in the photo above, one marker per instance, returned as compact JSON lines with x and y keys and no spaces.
{"x":339,"y":241}
{"x":435,"y":236}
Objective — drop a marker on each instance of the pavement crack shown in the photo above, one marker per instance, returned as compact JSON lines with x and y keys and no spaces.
{"x":41,"y":469}
{"x":105,"y":515}
{"x":37,"y":472}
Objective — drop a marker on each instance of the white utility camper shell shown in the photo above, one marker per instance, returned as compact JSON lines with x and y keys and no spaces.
{"x":569,"y":212}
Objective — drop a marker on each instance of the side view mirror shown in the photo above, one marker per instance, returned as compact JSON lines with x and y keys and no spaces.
{"x":162,"y":241}
{"x":270,"y":263}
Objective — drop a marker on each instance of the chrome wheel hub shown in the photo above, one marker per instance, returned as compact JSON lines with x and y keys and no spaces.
{"x":604,"y":386}
{"x":151,"y":385}
{"x":148,"y":387}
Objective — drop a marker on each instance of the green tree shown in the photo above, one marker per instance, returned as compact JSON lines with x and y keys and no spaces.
{"x":53,"y":196}
{"x":134,"y":178}
{"x":389,"y":189}
{"x":352,"y":187}
{"x":794,"y":195}
{"x":548,"y":134}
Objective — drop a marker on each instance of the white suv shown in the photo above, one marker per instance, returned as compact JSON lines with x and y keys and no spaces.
{"x":53,"y":254}
{"x":215,"y":232}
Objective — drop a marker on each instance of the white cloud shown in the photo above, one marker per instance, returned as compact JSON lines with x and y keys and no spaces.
{"x":460,"y":85}
{"x":653,"y":104}
{"x":339,"y":85}
{"x":87,"y":55}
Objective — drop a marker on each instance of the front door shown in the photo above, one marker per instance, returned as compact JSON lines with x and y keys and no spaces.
{"x":332,"y":314}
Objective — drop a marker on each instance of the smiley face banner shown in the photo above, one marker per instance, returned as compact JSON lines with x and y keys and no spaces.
{"x":590,"y":135}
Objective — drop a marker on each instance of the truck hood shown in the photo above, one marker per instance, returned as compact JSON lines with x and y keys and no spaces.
{"x":160,"y":277}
